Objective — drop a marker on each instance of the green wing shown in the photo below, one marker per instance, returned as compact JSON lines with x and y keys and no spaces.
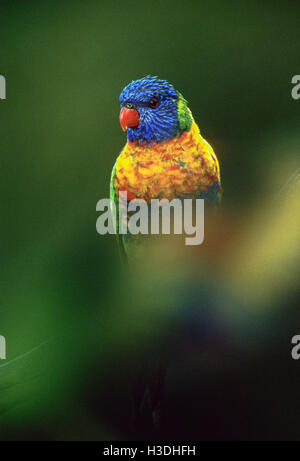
{"x":114,"y":199}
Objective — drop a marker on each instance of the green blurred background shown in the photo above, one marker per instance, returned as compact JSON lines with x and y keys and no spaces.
{"x":61,"y":284}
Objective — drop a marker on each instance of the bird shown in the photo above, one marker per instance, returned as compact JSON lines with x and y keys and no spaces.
{"x":165,"y":156}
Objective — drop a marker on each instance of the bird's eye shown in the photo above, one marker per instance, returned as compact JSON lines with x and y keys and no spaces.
{"x":153,"y":103}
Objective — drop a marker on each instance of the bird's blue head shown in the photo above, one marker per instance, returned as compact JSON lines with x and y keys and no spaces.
{"x":153,"y":111}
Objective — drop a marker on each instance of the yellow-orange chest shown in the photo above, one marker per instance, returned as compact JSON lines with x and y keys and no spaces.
{"x":177,"y":168}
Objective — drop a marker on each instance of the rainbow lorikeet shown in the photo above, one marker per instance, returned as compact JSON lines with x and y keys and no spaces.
{"x":165,"y":156}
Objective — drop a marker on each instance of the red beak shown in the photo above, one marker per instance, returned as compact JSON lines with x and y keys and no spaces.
{"x":129,"y":118}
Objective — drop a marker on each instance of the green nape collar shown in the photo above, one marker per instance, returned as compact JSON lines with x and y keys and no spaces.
{"x":185,"y":118}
